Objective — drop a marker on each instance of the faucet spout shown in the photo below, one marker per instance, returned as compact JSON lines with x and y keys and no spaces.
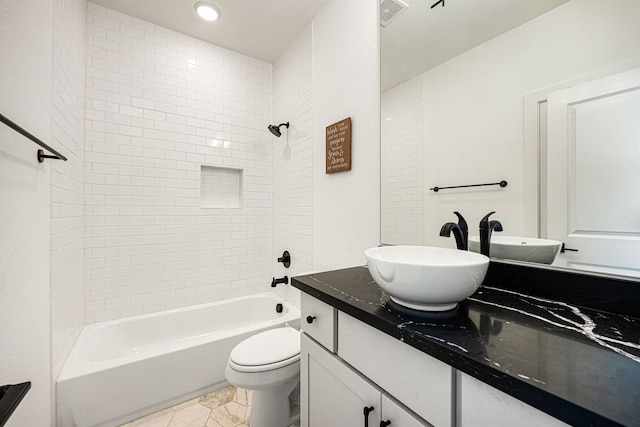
{"x":486,"y":229}
{"x":460,"y":232}
{"x":275,"y":281}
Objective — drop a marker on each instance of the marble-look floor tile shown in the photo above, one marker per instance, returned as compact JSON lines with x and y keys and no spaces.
{"x":227,"y":407}
{"x":243,"y":396}
{"x":188,"y":403}
{"x":191,"y":416}
{"x":218,"y":397}
{"x":231,"y":414}
{"x":157,"y":419}
{"x":214,"y":423}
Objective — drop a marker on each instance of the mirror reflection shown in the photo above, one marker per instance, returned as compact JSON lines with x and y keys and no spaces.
{"x":539,"y":94}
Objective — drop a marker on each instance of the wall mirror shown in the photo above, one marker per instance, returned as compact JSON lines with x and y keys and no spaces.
{"x":471,"y":90}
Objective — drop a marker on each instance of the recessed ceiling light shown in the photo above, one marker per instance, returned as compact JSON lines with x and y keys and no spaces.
{"x":207,"y":11}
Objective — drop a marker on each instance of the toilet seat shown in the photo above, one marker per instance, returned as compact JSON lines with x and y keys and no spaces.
{"x":267,"y":350}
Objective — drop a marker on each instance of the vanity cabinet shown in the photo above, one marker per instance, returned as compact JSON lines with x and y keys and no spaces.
{"x":334,"y":394}
{"x":361,"y":353}
{"x":348,"y":365}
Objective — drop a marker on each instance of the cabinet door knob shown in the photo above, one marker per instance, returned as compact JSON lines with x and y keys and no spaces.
{"x":310,"y":319}
{"x":367,"y":410}
{"x":385,"y":423}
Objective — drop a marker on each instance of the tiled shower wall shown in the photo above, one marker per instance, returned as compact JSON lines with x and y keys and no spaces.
{"x":159,"y":105}
{"x":402,"y":148}
{"x":67,"y":178}
{"x":293,"y":151}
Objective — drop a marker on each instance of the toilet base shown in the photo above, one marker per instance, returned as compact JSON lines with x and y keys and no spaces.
{"x":276,"y":407}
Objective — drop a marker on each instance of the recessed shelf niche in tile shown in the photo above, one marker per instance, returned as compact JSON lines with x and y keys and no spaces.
{"x":220,"y":187}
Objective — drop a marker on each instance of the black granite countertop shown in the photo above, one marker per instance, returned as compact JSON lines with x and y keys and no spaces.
{"x":576,"y":363}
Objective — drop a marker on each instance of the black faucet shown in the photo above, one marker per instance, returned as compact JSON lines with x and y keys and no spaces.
{"x":460,"y":232}
{"x":486,"y":228}
{"x":275,"y":281}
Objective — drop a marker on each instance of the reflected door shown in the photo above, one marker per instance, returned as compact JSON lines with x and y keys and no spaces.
{"x":593,"y":176}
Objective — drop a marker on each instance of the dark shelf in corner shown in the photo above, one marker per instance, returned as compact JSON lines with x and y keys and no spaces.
{"x":10,"y":397}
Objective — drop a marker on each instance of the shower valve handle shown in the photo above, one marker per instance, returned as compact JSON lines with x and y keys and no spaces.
{"x":285,"y":259}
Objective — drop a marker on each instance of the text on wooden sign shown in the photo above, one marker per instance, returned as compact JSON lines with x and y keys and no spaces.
{"x":339,"y":146}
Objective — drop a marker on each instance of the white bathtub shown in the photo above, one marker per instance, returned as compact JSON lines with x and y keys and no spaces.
{"x":123,"y":369}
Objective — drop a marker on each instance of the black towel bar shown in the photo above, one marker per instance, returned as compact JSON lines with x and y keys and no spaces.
{"x":501,"y":184}
{"x":41,"y":155}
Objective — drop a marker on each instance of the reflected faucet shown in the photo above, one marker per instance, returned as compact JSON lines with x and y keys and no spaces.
{"x":460,"y":232}
{"x":486,"y":228}
{"x":489,"y":326}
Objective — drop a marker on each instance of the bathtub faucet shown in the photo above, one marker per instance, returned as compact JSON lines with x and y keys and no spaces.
{"x":486,"y":228}
{"x":275,"y":281}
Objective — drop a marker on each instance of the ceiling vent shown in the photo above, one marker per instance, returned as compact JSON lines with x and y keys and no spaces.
{"x":390,"y":10}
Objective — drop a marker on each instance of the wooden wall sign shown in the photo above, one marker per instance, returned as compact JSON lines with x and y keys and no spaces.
{"x":339,"y":146}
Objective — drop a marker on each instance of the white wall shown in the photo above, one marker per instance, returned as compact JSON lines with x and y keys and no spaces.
{"x":25,"y":97}
{"x":402,"y":165}
{"x":473,"y":106}
{"x":293,"y":160}
{"x":159,"y":105}
{"x":346,"y":83}
{"x":67,"y":178}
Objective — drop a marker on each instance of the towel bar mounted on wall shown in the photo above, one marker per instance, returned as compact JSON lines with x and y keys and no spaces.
{"x":501,"y":184}
{"x":41,"y":155}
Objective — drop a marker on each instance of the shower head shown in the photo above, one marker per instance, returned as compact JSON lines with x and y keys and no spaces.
{"x":276,"y":129}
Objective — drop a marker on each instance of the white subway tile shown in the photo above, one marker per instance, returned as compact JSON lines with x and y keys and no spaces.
{"x":143,"y":25}
{"x":128,"y":29}
{"x":151,"y":150}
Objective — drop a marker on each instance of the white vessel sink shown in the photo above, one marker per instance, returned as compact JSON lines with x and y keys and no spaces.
{"x":426,"y":278}
{"x":519,"y":248}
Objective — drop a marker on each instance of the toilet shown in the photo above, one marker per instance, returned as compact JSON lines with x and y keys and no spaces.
{"x":269,"y":364}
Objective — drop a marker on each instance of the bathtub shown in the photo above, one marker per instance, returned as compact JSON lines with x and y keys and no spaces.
{"x":123,"y":369}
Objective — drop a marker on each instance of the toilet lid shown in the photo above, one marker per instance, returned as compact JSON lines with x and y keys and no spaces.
{"x":267,"y":347}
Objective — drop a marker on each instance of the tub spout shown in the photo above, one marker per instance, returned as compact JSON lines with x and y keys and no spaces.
{"x":460,"y":232}
{"x":275,"y":281}
{"x":486,"y":228}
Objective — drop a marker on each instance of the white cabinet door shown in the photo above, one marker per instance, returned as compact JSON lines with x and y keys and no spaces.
{"x":481,"y":405}
{"x":331,"y":393}
{"x":397,"y":416}
{"x":593,"y":173}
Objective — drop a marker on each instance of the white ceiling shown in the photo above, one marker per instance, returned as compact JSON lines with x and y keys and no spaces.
{"x":422,"y":38}
{"x":261,"y":29}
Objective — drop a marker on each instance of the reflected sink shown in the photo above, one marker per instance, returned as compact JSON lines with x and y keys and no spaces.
{"x":426,"y":278}
{"x":529,"y":249}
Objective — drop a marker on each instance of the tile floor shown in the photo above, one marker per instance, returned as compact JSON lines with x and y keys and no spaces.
{"x":227,"y":407}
